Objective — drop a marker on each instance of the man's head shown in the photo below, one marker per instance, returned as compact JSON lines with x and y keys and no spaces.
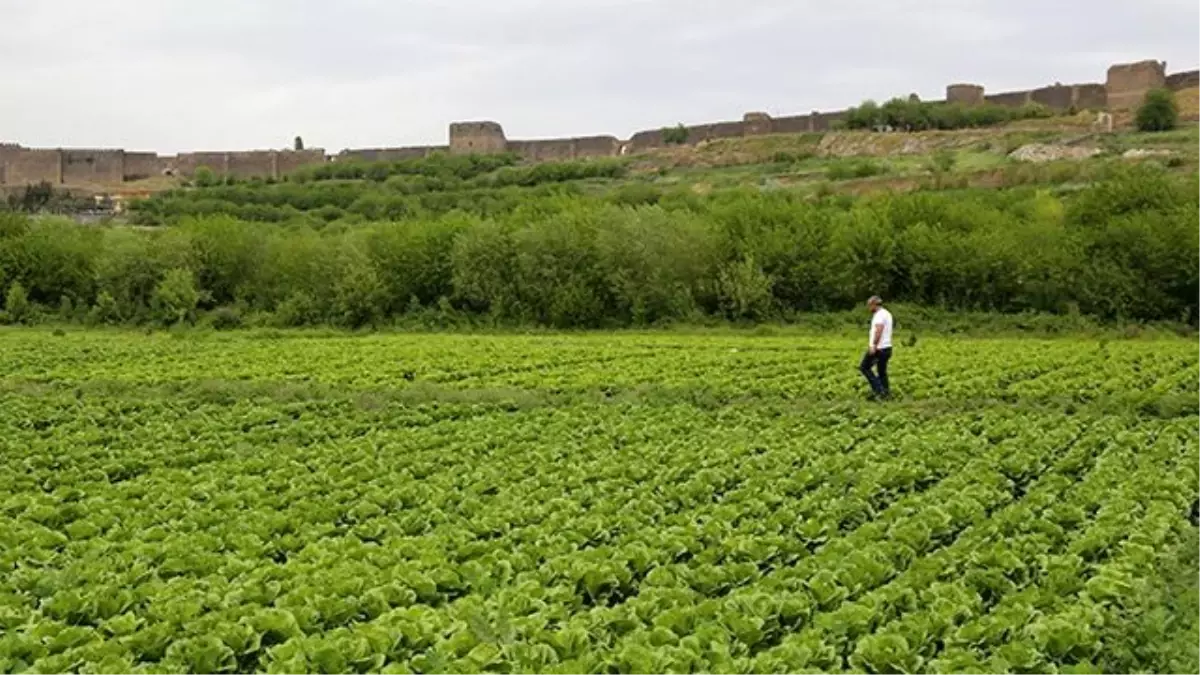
{"x":874,"y":303}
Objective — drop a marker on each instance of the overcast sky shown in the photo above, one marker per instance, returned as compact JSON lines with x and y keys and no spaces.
{"x":171,"y":75}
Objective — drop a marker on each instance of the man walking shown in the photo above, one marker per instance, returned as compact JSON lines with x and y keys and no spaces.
{"x":879,"y":349}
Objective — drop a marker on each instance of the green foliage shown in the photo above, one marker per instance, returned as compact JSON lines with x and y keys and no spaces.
{"x":17,"y":307}
{"x":903,"y":114}
{"x":1122,"y":248}
{"x":176,"y":297}
{"x":225,"y":318}
{"x":676,"y":135}
{"x":205,"y":177}
{"x":745,"y":290}
{"x":1158,"y":111}
{"x":105,"y":311}
{"x":857,"y":168}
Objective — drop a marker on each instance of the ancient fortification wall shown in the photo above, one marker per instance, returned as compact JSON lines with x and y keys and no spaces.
{"x":139,"y":165}
{"x":388,"y":154}
{"x":1184,"y":80}
{"x":1124,"y":87}
{"x":83,"y":167}
{"x":468,"y":138}
{"x":1127,"y":83}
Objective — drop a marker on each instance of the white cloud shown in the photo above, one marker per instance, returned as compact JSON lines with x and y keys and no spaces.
{"x":173,"y":75}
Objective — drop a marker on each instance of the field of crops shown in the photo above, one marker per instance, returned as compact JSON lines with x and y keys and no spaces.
{"x":634,"y":502}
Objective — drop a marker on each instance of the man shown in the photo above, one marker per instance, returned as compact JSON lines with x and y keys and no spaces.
{"x":879,"y":349}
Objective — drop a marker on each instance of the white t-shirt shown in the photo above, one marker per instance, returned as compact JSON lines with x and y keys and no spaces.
{"x":884,"y":318}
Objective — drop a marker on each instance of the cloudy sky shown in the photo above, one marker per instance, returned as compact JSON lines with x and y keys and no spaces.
{"x":171,"y":75}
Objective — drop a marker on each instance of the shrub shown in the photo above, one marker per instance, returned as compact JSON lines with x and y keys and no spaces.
{"x":676,"y":135}
{"x":745,"y":290}
{"x":861,"y":168}
{"x":204,"y":177}
{"x":1158,"y":111}
{"x":16,"y":304}
{"x":225,"y":318}
{"x":298,"y":309}
{"x":175,"y":298}
{"x":105,"y":311}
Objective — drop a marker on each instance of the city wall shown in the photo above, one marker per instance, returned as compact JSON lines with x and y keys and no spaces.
{"x":1124,"y":87}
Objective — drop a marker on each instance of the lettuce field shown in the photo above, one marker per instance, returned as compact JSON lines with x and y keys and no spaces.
{"x":621,"y":502}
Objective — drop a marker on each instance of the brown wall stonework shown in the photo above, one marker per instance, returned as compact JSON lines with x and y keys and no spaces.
{"x":1184,"y":80}
{"x":793,"y":124}
{"x":646,"y":140}
{"x":1127,"y":83}
{"x":251,"y":163}
{"x":27,"y":166}
{"x":6,"y":150}
{"x":1091,"y":96}
{"x":388,"y":154}
{"x":93,"y":166}
{"x":965,"y":94}
{"x":826,"y":121}
{"x":597,"y":146}
{"x":756,"y":124}
{"x":1012,"y":99}
{"x":287,"y":161}
{"x":556,"y":150}
{"x":187,"y":163}
{"x":1125,"y":86}
{"x":485,"y":137}
{"x":139,"y":165}
{"x":1057,"y":97}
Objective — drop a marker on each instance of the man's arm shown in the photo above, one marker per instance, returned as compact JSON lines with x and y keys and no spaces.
{"x":878,"y":336}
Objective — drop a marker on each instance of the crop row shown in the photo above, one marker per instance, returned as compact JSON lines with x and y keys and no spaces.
{"x":822,"y":368}
{"x":312,"y":536}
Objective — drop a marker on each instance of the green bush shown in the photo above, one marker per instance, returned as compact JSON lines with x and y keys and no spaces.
{"x":1122,"y":247}
{"x":17,"y":307}
{"x":225,"y":318}
{"x":204,"y":177}
{"x":1158,"y":111}
{"x":903,"y":114}
{"x":676,"y":135}
{"x":858,"y":168}
{"x":176,"y":297}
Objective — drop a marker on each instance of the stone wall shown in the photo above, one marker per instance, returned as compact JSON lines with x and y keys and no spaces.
{"x":826,"y":121}
{"x":1185,"y":80}
{"x":251,"y":163}
{"x":792,"y":124}
{"x":1127,"y":83}
{"x":186,"y":163}
{"x":597,"y":146}
{"x":7,"y":150}
{"x":139,"y":165}
{"x":646,"y":140}
{"x":1124,"y":88}
{"x":965,"y":94}
{"x":388,"y":154}
{"x":287,"y":161}
{"x":1091,"y":97}
{"x":563,"y":149}
{"x":485,"y":137}
{"x":757,"y":124}
{"x":82,"y":167}
{"x":1013,"y":99}
{"x":25,"y":166}
{"x":1057,"y":97}
{"x":549,"y":150}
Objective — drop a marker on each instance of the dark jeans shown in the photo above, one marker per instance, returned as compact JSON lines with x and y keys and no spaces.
{"x":879,"y":383}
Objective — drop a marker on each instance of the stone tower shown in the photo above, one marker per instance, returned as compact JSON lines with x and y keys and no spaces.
{"x":470,"y":138}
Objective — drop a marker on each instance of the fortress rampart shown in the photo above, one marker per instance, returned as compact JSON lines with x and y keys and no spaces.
{"x":1124,"y":87}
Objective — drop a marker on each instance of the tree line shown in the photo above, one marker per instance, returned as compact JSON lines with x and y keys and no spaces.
{"x":1125,"y":247}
